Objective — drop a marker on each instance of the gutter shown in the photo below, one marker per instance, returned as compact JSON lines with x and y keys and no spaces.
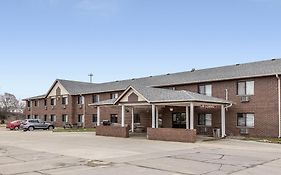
{"x":279,"y":107}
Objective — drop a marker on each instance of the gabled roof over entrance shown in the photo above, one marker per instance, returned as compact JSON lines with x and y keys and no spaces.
{"x":135,"y":94}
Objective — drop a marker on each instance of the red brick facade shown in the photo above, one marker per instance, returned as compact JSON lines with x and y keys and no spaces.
{"x":263,"y":104}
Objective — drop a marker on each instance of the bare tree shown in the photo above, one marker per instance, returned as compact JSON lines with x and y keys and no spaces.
{"x":9,"y":102}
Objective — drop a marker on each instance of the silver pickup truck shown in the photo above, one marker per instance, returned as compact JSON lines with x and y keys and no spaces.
{"x":32,"y":124}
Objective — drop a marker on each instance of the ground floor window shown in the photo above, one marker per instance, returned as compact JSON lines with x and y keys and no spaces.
{"x":245,"y":120}
{"x":179,"y":120}
{"x":64,"y":118}
{"x":53,"y":118}
{"x":80,"y":118}
{"x":95,"y":118}
{"x":45,"y":118}
{"x":205,"y":119}
{"x":114,"y":118}
{"x":136,"y":118}
{"x":36,"y":117}
{"x":28,"y":117}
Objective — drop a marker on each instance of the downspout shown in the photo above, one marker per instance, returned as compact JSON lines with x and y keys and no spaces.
{"x":226,"y":98}
{"x":279,"y":107}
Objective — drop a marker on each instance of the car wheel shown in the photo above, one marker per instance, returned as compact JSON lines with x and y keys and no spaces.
{"x":31,"y":128}
{"x":50,"y":127}
{"x":16,"y":128}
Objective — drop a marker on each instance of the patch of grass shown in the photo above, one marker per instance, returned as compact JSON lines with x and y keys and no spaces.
{"x":264,"y":139}
{"x":74,"y":130}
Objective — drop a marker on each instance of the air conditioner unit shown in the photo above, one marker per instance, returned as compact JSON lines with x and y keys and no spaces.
{"x":64,"y":106}
{"x":53,"y":107}
{"x":45,"y":107}
{"x":244,"y":99}
{"x":80,"y":106}
{"x":244,"y":131}
{"x":28,"y":108}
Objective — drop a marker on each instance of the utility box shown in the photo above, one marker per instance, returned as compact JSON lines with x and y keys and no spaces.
{"x":216,"y":133}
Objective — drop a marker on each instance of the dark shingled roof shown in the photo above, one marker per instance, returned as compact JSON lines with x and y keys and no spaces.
{"x":254,"y":69}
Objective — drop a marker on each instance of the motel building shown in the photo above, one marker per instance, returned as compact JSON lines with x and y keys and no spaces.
{"x":235,"y":100}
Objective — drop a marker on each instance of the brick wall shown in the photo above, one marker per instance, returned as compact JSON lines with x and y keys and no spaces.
{"x":171,"y":134}
{"x":113,"y":131}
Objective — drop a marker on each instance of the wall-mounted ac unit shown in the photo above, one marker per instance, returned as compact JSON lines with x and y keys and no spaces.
{"x":80,"y":106}
{"x":64,"y":106}
{"x":53,"y":107}
{"x":244,"y":99}
{"x":45,"y":107}
{"x":244,"y":131}
{"x":28,"y":108}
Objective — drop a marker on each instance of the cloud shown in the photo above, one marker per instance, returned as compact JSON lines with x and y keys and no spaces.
{"x":100,"y":7}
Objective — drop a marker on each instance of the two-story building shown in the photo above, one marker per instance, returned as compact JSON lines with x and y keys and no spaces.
{"x":241,"y":99}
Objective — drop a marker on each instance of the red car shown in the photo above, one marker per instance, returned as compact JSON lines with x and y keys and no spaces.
{"x":14,"y":125}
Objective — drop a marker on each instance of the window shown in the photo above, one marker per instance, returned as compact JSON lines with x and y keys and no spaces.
{"x":245,"y":120}
{"x":53,"y":101}
{"x":205,"y":119}
{"x":36,"y":117}
{"x":113,"y":95}
{"x":205,"y":89}
{"x":80,"y":100}
{"x":64,"y":118}
{"x":45,"y":118}
{"x":113,"y":118}
{"x":94,"y":118}
{"x":28,"y":104}
{"x":35,"y":103}
{"x":64,"y":101}
{"x":28,"y":117}
{"x":136,"y":118}
{"x":96,"y":98}
{"x":53,"y":118}
{"x":80,"y":118}
{"x":45,"y":102}
{"x":179,"y":120}
{"x":245,"y":88}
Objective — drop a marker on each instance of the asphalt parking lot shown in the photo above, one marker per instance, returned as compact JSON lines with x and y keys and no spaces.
{"x":45,"y":152}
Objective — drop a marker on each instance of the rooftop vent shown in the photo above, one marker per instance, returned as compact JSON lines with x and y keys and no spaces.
{"x":150,"y":76}
{"x":273,"y":59}
{"x":133,"y":79}
{"x":193,"y":69}
{"x":237,"y":64}
{"x":168,"y":74}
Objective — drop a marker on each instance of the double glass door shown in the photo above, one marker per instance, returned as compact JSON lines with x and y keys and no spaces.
{"x":179,"y":120}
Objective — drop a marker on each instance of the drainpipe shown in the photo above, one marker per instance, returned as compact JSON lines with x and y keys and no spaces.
{"x":279,"y":107}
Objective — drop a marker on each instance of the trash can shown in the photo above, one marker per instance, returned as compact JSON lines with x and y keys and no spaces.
{"x":216,"y":133}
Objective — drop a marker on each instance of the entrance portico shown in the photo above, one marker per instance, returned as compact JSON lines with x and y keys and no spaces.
{"x":157,"y":101}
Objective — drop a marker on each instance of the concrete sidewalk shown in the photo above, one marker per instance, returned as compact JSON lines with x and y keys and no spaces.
{"x":42,"y":152}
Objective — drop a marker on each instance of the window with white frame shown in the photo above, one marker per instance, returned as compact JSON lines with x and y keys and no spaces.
{"x":95,"y":118}
{"x":96,"y":98}
{"x":246,"y":120}
{"x":53,"y":101}
{"x":53,"y":118}
{"x":64,"y":100}
{"x":205,"y":119}
{"x":80,"y":118}
{"x":64,"y":118}
{"x":114,"y":95}
{"x":114,"y":118}
{"x":80,"y":100}
{"x":245,"y":88}
{"x":205,"y":89}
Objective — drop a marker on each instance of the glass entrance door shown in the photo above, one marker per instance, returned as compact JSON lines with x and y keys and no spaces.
{"x":179,"y":120}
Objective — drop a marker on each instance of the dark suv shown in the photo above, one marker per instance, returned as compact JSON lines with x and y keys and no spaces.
{"x":32,"y":124}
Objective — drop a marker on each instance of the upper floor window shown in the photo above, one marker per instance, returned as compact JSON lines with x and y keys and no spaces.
{"x":96,"y":98}
{"x":64,"y":100}
{"x":245,"y":88}
{"x":80,"y":100}
{"x":205,"y":89}
{"x":205,"y":119}
{"x":113,"y":95}
{"x":53,"y":101}
{"x":245,"y":119}
{"x":45,"y":102}
{"x":35,"y":103}
{"x":28,"y":103}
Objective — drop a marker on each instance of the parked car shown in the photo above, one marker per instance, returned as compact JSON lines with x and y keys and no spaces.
{"x":14,"y":125}
{"x":32,"y":124}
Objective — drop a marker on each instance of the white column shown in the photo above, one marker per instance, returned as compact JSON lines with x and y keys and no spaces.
{"x":98,"y":116}
{"x":222,"y":121}
{"x":157,"y":117}
{"x":187,"y":117}
{"x":133,"y":122}
{"x":191,"y":116}
{"x":123,"y":116}
{"x":153,"y":116}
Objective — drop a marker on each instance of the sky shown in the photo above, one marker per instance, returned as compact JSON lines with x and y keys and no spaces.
{"x":42,"y":40}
